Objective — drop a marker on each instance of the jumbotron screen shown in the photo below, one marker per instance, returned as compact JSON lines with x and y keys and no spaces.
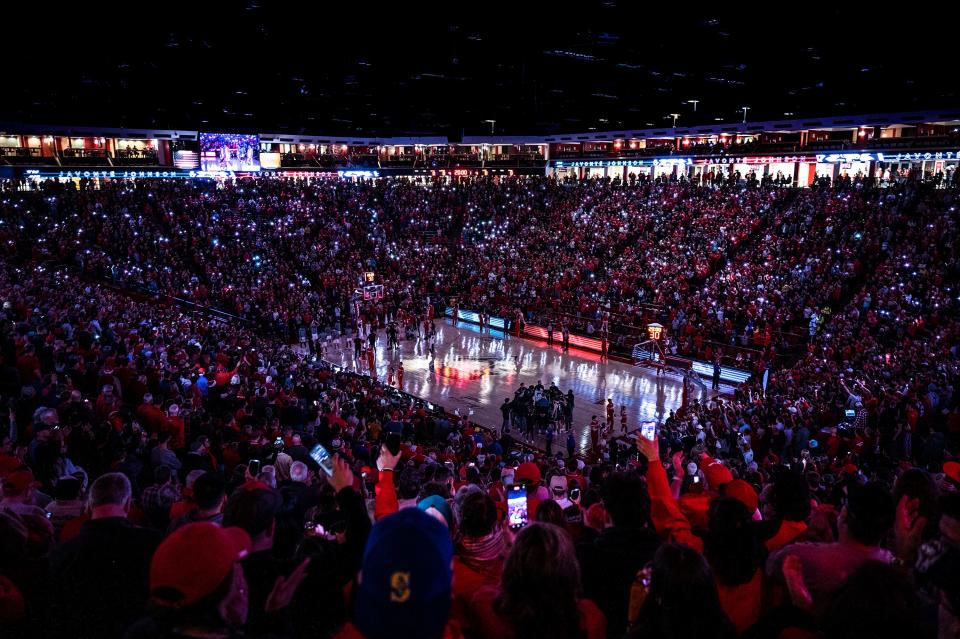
{"x":229,"y":152}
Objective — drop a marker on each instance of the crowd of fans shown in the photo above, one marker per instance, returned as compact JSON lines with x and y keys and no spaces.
{"x":287,"y":256}
{"x":160,"y":476}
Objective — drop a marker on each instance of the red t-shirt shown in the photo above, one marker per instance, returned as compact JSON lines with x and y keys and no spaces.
{"x":742,"y":603}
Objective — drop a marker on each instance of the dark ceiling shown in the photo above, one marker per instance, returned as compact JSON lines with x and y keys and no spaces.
{"x":369,"y":68}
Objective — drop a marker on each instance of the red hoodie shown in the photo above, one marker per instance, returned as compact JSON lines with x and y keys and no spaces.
{"x":741,"y":603}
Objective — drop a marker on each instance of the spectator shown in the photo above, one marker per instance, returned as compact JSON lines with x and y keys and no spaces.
{"x":538,"y":593}
{"x":680,"y":582}
{"x":197,"y":587}
{"x":19,"y":494}
{"x":864,"y":522}
{"x":403,"y":589}
{"x":209,"y":495}
{"x":624,"y":546}
{"x":162,"y":455}
{"x":790,"y":505}
{"x":734,"y":551}
{"x":100,"y":576}
{"x":480,"y":546}
{"x":253,"y":508}
{"x":67,"y":503}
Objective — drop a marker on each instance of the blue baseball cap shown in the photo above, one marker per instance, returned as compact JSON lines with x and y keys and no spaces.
{"x":406,"y":578}
{"x":440,"y":505}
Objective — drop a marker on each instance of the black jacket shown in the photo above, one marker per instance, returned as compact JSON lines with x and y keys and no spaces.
{"x":318,"y":607}
{"x":101,"y":579}
{"x":610,"y":564}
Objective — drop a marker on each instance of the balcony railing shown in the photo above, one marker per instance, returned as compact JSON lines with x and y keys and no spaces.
{"x":87,"y":157}
{"x":136,"y":157}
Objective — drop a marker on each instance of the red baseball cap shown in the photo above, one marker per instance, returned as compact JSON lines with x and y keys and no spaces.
{"x":952,"y":470}
{"x":192,"y":562}
{"x":528,"y":471}
{"x":742,"y":492}
{"x":717,"y":475}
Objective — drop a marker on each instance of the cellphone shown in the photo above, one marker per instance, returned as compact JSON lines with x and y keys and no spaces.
{"x":393,"y":443}
{"x":648,"y":430}
{"x":254,"y":467}
{"x":517,"y":507}
{"x":574,"y":494}
{"x":322,"y":456}
{"x":696,"y":479}
{"x":278,"y":442}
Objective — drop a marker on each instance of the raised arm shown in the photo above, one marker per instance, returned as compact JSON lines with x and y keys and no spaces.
{"x":667,"y":518}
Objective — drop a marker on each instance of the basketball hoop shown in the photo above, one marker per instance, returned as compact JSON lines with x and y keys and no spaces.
{"x":651,"y":352}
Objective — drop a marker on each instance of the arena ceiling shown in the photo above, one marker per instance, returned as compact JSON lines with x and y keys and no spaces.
{"x":369,"y":68}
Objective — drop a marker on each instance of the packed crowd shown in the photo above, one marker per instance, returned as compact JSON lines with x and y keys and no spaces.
{"x":160,"y":470}
{"x":286,"y":256}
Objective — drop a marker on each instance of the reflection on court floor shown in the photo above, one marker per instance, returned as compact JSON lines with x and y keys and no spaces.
{"x":477,"y":371}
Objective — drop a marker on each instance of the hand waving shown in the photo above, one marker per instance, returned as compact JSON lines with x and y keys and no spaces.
{"x":387,"y":460}
{"x":342,"y":474}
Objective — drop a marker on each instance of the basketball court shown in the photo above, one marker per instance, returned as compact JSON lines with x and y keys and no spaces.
{"x":474,"y":371}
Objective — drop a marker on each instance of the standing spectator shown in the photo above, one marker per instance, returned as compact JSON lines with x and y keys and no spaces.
{"x":19,"y":493}
{"x":197,"y":587}
{"x":199,"y":457}
{"x":681,"y":600}
{"x":161,"y":455}
{"x":624,"y":546}
{"x":505,"y":411}
{"x":209,"y":494}
{"x":403,"y":589}
{"x":253,"y":507}
{"x":175,"y":426}
{"x":100,"y":577}
{"x":67,"y":503}
{"x":538,"y":594}
{"x":864,"y":522}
